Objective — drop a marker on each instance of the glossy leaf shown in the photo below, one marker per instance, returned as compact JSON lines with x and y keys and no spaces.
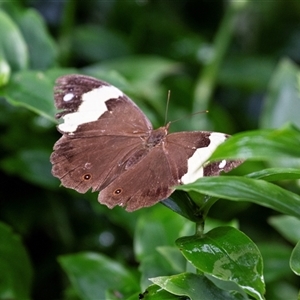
{"x":194,"y":286}
{"x":262,"y":145}
{"x":230,"y":286}
{"x":274,"y":174}
{"x":247,"y":189}
{"x":92,"y":274}
{"x":287,"y":226}
{"x":282,"y":103}
{"x":182,"y":203}
{"x":32,"y":90}
{"x":154,"y":292}
{"x":16,"y":271}
{"x":295,"y":259}
{"x":228,"y":254}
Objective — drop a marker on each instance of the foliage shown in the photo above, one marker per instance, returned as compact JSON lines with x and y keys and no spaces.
{"x":238,"y":59}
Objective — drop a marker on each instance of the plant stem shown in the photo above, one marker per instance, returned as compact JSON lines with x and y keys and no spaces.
{"x":206,"y":81}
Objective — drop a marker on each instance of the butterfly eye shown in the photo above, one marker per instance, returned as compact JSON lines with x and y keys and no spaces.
{"x":87,"y":177}
{"x":118,"y":191}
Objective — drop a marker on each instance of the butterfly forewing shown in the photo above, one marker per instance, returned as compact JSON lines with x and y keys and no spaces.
{"x":74,"y":159}
{"x":91,"y":154}
{"x":85,"y":100}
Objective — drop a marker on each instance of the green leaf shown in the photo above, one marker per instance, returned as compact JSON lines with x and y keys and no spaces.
{"x":4,"y":71}
{"x":153,"y":265}
{"x":154,"y":292}
{"x":230,"y":286}
{"x":228,"y":254}
{"x":276,"y":260}
{"x":32,"y":90}
{"x":95,"y":43}
{"x":41,"y":47}
{"x":182,"y":203}
{"x":247,"y":189}
{"x":92,"y":274}
{"x":194,"y":286}
{"x":295,"y":259}
{"x":282,"y":103}
{"x":173,"y":256}
{"x":246,"y":72}
{"x":274,"y":174}
{"x":287,"y":226}
{"x":16,"y":271}
{"x":262,"y":145}
{"x":143,"y":72}
{"x":12,"y":45}
{"x":156,"y":227}
{"x":33,"y":165}
{"x":138,"y":69}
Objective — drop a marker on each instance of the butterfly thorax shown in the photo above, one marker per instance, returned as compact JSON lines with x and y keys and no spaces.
{"x":156,"y":137}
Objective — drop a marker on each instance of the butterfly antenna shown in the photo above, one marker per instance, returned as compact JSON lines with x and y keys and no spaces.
{"x":167,"y":106}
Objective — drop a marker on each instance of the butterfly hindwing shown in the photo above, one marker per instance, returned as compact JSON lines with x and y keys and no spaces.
{"x":162,"y":169}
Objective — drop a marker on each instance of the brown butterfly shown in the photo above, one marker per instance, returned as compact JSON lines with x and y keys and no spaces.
{"x":109,"y":145}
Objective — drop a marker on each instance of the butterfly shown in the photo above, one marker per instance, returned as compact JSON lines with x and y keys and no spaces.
{"x":109,"y":145}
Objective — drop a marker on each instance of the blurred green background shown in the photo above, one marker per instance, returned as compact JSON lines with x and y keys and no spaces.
{"x":237,"y":59}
